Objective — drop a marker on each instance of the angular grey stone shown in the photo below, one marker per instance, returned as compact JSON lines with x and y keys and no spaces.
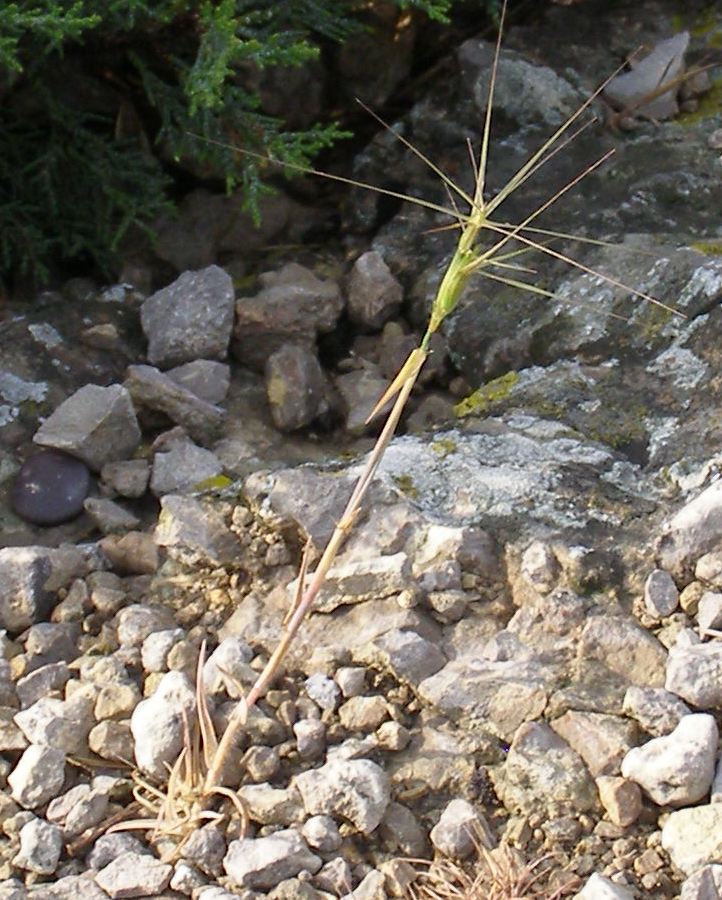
{"x":38,"y":776}
{"x":693,"y":836}
{"x":371,"y":887}
{"x":63,"y":724}
{"x":110,"y":517}
{"x":192,"y":318}
{"x":541,"y":770}
{"x":40,"y":847}
{"x":321,"y":833}
{"x":540,"y":566}
{"x":262,"y":863}
{"x":136,"y":622}
{"x":601,"y":740}
{"x":322,"y":690}
{"x":151,"y":388}
{"x":24,"y":599}
{"x":205,"y":378}
{"x":156,"y":647}
{"x":295,"y":387}
{"x":661,"y":596}
{"x":460,"y":830}
{"x":134,"y":875}
{"x":363,"y":713}
{"x":96,"y":424}
{"x":693,"y":531}
{"x":406,"y":654}
{"x":227,"y":668}
{"x":157,"y":723}
{"x":129,"y":477}
{"x":709,"y":612}
{"x":356,"y":789}
{"x":695,"y":674}
{"x":293,"y":306}
{"x":626,"y":648}
{"x":709,"y":568}
{"x":706,"y":884}
{"x":660,"y":67}
{"x":205,"y":848}
{"x":310,"y":737}
{"x":272,"y":806}
{"x":70,"y":887}
{"x":677,"y":769}
{"x":194,"y":532}
{"x":657,"y":710}
{"x":374,"y":294}
{"x":360,"y":391}
{"x":525,"y":92}
{"x":181,"y":467}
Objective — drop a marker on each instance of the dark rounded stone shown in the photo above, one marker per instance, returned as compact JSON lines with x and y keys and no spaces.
{"x":50,"y":488}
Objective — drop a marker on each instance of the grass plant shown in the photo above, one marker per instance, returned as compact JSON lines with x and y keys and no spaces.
{"x":487,"y":246}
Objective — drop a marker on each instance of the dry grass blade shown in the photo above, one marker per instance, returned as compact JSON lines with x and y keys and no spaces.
{"x":498,"y":874}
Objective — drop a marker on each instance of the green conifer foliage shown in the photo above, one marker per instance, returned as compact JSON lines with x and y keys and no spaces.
{"x":97,"y":100}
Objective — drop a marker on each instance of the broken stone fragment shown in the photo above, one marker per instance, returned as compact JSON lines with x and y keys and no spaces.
{"x":190,"y":319}
{"x":96,"y":424}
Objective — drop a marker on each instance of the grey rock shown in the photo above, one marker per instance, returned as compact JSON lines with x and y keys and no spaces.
{"x":205,"y":378}
{"x":41,"y":682}
{"x":156,"y":647}
{"x":525,"y":92}
{"x":110,"y":846}
{"x":157,"y":723}
{"x":96,"y":424}
{"x":677,"y":769}
{"x":709,"y":612}
{"x":49,"y":642}
{"x":352,"y":582}
{"x":190,"y":319}
{"x":402,"y":832}
{"x":134,"y":553}
{"x":38,"y":776}
{"x":601,"y":740}
{"x":374,"y":294}
{"x":129,"y":477}
{"x":136,"y":622}
{"x":657,"y":710}
{"x":272,"y":806}
{"x":692,"y":532}
{"x":40,"y":847}
{"x":693,"y":836}
{"x":70,"y":887}
{"x":63,"y":724}
{"x":194,"y":532}
{"x":502,"y":694}
{"x":360,"y":391}
{"x":351,"y":680}
{"x":310,"y":738}
{"x":335,"y":877}
{"x":625,"y":648}
{"x":321,"y":833}
{"x":293,"y":306}
{"x":356,"y":789}
{"x":205,"y":848}
{"x":227,"y":669}
{"x":134,"y":875}
{"x":371,"y":887}
{"x":661,"y":596}
{"x":540,"y":566}
{"x":262,"y":863}
{"x":706,"y":884}
{"x":629,"y":90}
{"x":363,"y":713}
{"x":110,"y":517}
{"x":460,"y":830}
{"x":621,"y":799}
{"x":151,"y":388}
{"x":410,"y":657}
{"x":186,"y":879}
{"x":295,"y":387}
{"x":541,"y":770}
{"x":24,"y":599}
{"x":322,"y":690}
{"x":182,"y":467}
{"x":694,"y":673}
{"x":80,"y":808}
{"x":597,"y":887}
